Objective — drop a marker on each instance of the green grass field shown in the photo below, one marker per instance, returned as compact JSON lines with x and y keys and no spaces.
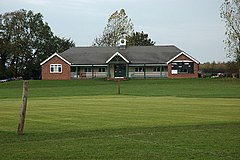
{"x":151,"y":119}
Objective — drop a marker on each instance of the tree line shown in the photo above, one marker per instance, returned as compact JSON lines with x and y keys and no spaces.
{"x":25,"y":41}
{"x":228,"y":69}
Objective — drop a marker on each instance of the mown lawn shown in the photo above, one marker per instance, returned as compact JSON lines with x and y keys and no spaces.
{"x":151,"y":119}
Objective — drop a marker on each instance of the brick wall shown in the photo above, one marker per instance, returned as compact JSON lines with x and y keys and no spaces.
{"x":181,"y":75}
{"x":66,"y":69}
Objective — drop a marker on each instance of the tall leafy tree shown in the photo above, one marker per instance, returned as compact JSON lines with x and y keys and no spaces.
{"x":118,"y":24}
{"x":139,"y":39}
{"x":230,"y":13}
{"x":26,"y":40}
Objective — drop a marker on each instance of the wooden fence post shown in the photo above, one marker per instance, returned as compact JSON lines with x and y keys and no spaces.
{"x":119,"y":92}
{"x":23,"y":108}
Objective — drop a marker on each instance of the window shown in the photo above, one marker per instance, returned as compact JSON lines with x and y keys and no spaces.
{"x":182,"y":67}
{"x":88,"y":69}
{"x":156,"y":69}
{"x":102,"y":69}
{"x":139,"y":69}
{"x":55,"y":68}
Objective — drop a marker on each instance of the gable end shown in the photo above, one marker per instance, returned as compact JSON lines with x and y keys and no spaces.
{"x":55,"y":54}
{"x":117,"y":54}
{"x":185,"y":54}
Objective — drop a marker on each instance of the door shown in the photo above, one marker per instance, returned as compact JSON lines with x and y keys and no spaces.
{"x":119,"y":70}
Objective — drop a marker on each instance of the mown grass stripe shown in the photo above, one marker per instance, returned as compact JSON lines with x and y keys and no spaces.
{"x":153,"y":119}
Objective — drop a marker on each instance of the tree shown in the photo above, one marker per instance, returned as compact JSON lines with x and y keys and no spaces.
{"x":118,"y":24}
{"x":230,"y":13}
{"x":26,"y":40}
{"x":139,"y":39}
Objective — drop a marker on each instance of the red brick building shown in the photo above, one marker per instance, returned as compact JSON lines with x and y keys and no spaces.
{"x":120,"y":62}
{"x":183,"y":66}
{"x":56,"y":67}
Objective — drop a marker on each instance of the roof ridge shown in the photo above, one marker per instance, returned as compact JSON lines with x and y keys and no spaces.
{"x":93,"y":47}
{"x":164,"y":45}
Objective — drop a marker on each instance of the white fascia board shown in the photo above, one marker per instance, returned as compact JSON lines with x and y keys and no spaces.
{"x":182,"y":61}
{"x":81,"y":65}
{"x":89,"y":65}
{"x":100,"y":65}
{"x":117,"y":54}
{"x":147,"y":65}
{"x":55,"y":54}
{"x":138,"y":65}
{"x":187,"y":55}
{"x":155,"y":65}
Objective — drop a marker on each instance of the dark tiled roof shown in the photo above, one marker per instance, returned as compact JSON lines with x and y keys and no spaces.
{"x":135,"y":54}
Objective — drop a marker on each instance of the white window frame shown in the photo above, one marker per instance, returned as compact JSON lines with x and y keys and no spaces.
{"x":55,"y":68}
{"x":88,"y":69}
{"x":101,"y":69}
{"x":156,"y":69}
{"x":139,"y":69}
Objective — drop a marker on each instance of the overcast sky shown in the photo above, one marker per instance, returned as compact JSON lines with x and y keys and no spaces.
{"x":192,"y":25}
